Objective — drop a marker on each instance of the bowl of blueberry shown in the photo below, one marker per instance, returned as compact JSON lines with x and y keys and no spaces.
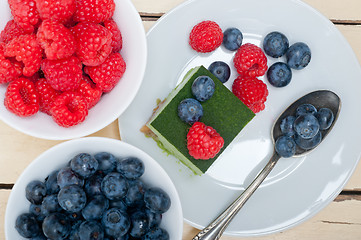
{"x":94,"y":188}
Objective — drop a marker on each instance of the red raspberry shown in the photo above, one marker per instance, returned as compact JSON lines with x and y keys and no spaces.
{"x":47,"y":95}
{"x":69,"y":109}
{"x":11,"y":31}
{"x":10,"y":69}
{"x":21,"y":98}
{"x":250,"y":60}
{"x":56,"y":40}
{"x":94,"y":11}
{"x":89,"y":91}
{"x":117,"y":41}
{"x":206,"y":36}
{"x":93,"y":43}
{"x":25,"y":13}
{"x":25,"y":49}
{"x":108,"y":74}
{"x":59,"y":10}
{"x":251,"y":91}
{"x":64,"y":74}
{"x":203,"y":142}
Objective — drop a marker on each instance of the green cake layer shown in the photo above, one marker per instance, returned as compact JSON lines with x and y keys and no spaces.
{"x":223,"y":111}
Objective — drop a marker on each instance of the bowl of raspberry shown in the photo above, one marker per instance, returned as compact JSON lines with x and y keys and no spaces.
{"x":68,"y":68}
{"x":94,"y":188}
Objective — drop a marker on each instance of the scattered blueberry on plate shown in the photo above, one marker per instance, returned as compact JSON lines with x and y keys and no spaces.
{"x":298,"y":55}
{"x":232,"y":39}
{"x":275,"y":44}
{"x":221,"y":70}
{"x":279,"y":74}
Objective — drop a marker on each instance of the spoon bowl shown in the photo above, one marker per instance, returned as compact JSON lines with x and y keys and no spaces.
{"x":319,"y":99}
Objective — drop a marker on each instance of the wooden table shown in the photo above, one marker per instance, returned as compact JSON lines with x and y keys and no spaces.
{"x":340,"y":220}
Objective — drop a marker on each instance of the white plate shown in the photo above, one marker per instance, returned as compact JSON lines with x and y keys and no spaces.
{"x":59,"y":155}
{"x":297,"y":188}
{"x":112,"y":104}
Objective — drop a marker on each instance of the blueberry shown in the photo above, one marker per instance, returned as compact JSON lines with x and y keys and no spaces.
{"x":84,"y":164}
{"x":190,"y":110}
{"x":114,"y":186}
{"x":285,"y":146}
{"x":130,"y":167}
{"x":203,"y":88}
{"x":279,"y":74}
{"x":298,"y":55}
{"x":118,"y":204}
{"x":39,"y":237}
{"x":90,"y":230}
{"x":139,"y":224}
{"x":275,"y":44}
{"x":221,"y":70}
{"x":56,"y":226}
{"x":305,"y":109}
{"x":310,"y":143}
{"x":325,"y":118}
{"x":135,"y":194}
{"x":153,"y":218}
{"x":287,"y":125}
{"x":232,"y":39}
{"x":35,"y":191}
{"x":72,"y":198}
{"x":156,"y":234}
{"x":66,"y":177}
{"x":306,"y":126}
{"x":107,"y":162}
{"x":50,"y":204}
{"x":36,"y":211}
{"x":115,"y":222}
{"x":51,"y":183}
{"x":92,"y":185}
{"x":157,"y":200}
{"x":95,"y":208}
{"x":27,"y":226}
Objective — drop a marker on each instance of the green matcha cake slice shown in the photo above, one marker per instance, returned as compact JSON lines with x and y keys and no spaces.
{"x":223,"y":111}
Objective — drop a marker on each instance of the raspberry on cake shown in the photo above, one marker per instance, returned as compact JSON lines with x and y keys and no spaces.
{"x":251,"y":91}
{"x":223,"y":112}
{"x":206,"y":36}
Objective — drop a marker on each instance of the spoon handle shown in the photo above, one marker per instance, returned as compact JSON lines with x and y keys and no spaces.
{"x":215,"y":229}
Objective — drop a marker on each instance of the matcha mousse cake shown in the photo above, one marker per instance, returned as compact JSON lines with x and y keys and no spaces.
{"x":223,"y":111}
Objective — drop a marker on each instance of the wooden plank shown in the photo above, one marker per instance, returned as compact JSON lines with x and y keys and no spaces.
{"x":332,"y":9}
{"x":341,"y":220}
{"x":18,"y":150}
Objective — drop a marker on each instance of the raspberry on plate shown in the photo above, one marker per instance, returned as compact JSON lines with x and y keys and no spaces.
{"x":25,"y":49}
{"x":10,"y":69}
{"x":108,"y":74}
{"x":21,"y":98}
{"x":206,"y":36}
{"x":250,"y":60}
{"x":69,"y":109}
{"x":89,"y":91}
{"x":25,"y":13}
{"x":93,"y":43}
{"x":47,"y":95}
{"x":56,"y":40}
{"x":11,"y":31}
{"x":203,"y":142}
{"x":117,"y":41}
{"x":251,"y":91}
{"x":59,"y":10}
{"x":63,"y":74}
{"x":94,"y":11}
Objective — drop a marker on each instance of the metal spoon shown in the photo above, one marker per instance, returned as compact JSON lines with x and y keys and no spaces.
{"x":320,"y":99}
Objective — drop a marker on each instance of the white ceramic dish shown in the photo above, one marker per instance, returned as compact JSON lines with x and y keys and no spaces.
{"x":59,"y":155}
{"x":113,"y":104}
{"x":297,"y":188}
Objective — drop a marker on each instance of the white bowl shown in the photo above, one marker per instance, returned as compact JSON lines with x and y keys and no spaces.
{"x":111,"y":105}
{"x":59,"y":155}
